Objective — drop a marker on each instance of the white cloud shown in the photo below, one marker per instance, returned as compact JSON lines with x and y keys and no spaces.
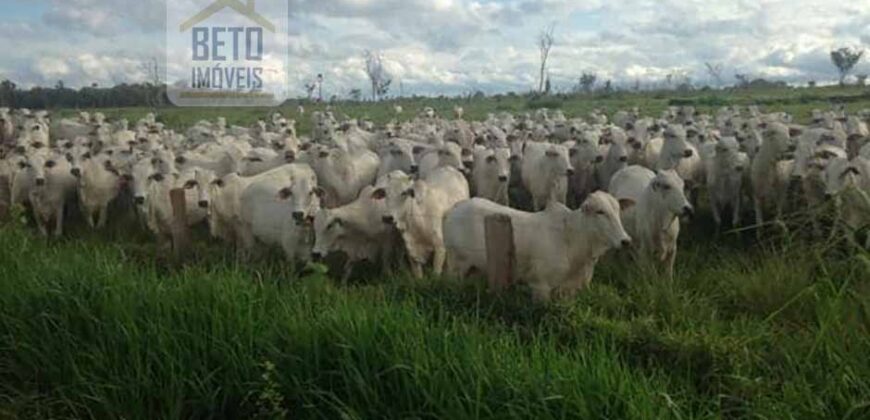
{"x":453,"y":46}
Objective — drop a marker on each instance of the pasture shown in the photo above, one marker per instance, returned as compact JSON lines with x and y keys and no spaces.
{"x":104,"y":325}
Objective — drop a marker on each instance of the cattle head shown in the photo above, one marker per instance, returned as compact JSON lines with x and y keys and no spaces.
{"x":601,"y":214}
{"x":668,"y":192}
{"x":303,"y":198}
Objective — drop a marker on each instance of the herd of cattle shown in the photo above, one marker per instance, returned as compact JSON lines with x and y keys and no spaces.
{"x":404,"y":190}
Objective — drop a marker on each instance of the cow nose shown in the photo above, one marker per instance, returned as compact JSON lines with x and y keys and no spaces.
{"x":626,"y":243}
{"x":388,"y":220}
{"x":503,"y":178}
{"x":688,"y":211}
{"x":298,"y":216}
{"x":569,"y":172}
{"x":623,"y":159}
{"x":316,"y":256}
{"x":139,"y":200}
{"x":415,"y":169}
{"x":40,"y":182}
{"x":203,"y":204}
{"x":76,"y":172}
{"x":688,"y":153}
{"x":599,"y":159}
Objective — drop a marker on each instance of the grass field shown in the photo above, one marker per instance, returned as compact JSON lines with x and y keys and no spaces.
{"x":100,"y":325}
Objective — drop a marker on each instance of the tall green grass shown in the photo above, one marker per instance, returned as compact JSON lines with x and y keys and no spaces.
{"x":90,"y":329}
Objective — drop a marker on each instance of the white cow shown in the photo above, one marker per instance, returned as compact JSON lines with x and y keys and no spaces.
{"x":615,"y":160}
{"x":99,"y":183}
{"x":491,"y":174}
{"x":357,"y":229}
{"x":545,"y":171}
{"x":771,"y":171}
{"x":343,"y":174}
{"x":417,"y":210}
{"x":726,"y":170}
{"x":849,"y":183}
{"x":53,"y":188}
{"x":556,"y":250}
{"x":276,"y":211}
{"x":651,"y":208}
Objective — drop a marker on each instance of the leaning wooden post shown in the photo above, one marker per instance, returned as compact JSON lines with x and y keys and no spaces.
{"x":500,"y":253}
{"x":180,"y":236}
{"x":5,"y":198}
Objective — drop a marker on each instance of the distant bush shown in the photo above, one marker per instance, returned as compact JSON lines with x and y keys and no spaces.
{"x":544,"y":102}
{"x":711,"y":101}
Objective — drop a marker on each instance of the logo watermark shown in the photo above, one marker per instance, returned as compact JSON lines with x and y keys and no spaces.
{"x":227,"y":52}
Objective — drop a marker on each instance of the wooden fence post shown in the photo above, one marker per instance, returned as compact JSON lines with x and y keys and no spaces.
{"x":5,"y":198}
{"x":500,"y":253}
{"x":180,"y":235}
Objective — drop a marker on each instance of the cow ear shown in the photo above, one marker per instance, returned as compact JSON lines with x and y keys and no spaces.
{"x":379,"y":194}
{"x":285,"y":193}
{"x":626,"y":203}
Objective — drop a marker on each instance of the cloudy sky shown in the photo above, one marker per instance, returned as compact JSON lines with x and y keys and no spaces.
{"x":457,"y":46}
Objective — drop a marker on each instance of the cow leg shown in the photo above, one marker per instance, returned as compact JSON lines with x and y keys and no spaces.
{"x":438,"y":260}
{"x":735,"y":218}
{"x":717,"y":216}
{"x":759,"y":217}
{"x":104,"y":216}
{"x":247,"y":244}
{"x":58,"y":227}
{"x":40,"y":223}
{"x":541,"y":293}
{"x":670,"y":259}
{"x":348,"y":270}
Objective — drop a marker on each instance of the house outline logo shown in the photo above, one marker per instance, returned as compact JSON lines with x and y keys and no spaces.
{"x":247,"y":10}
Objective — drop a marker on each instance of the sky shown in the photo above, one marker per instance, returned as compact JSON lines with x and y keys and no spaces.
{"x":433,"y":47}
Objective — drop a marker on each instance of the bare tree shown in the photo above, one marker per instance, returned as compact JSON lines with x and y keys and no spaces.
{"x":545,"y":44}
{"x":742,"y":80}
{"x":715,"y":71}
{"x":320,"y":87}
{"x":310,"y":87}
{"x":153,"y":76}
{"x":587,"y":82}
{"x":377,"y":74}
{"x":845,"y":60}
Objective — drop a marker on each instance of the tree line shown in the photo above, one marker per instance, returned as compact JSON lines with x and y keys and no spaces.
{"x":93,"y":96}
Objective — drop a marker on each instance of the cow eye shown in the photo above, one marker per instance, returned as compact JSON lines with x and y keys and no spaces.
{"x":50,"y":164}
{"x":601,"y":213}
{"x":665,"y":187}
{"x":490,"y":159}
{"x":190,"y":184}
